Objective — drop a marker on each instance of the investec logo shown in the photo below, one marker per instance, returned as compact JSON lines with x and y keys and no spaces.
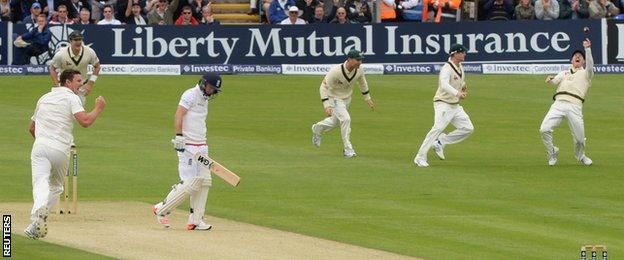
{"x":620,"y":41}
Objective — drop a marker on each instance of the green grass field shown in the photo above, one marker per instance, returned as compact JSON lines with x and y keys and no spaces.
{"x":24,"y":248}
{"x":493,"y":198}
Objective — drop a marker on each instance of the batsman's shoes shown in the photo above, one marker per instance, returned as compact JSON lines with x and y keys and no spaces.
{"x":420,"y":162}
{"x":438,"y":148}
{"x":316,"y":138}
{"x":31,"y":231}
{"x":41,"y":224}
{"x":163,"y":220}
{"x":552,"y":157}
{"x":200,"y":227}
{"x":349,"y":153}
{"x":586,"y":161}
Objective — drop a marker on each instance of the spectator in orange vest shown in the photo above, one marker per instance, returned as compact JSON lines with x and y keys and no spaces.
{"x":445,"y":10}
{"x":388,"y":11}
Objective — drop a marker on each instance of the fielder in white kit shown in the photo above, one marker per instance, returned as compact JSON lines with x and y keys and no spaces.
{"x":572,"y":86}
{"x":76,"y":56}
{"x":336,"y":90}
{"x":190,"y":138}
{"x":451,"y":89}
{"x":51,"y":126}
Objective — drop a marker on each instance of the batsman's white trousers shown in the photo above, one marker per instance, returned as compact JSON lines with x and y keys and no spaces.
{"x":48,"y":167}
{"x":445,"y":114}
{"x":574,"y":114}
{"x":340,"y":117}
{"x":188,"y":168}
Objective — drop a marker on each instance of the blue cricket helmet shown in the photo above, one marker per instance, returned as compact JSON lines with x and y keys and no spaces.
{"x":213,"y":79}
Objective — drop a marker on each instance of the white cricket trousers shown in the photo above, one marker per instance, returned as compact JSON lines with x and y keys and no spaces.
{"x":340,"y":117}
{"x":188,"y":168}
{"x":49,"y":165}
{"x":574,"y":114}
{"x":445,"y":114}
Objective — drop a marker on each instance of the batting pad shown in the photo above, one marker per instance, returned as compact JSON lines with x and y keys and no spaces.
{"x":178,"y":194}
{"x":198,"y":204}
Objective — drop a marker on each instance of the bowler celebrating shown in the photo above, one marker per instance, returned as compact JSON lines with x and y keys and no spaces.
{"x":190,"y":138}
{"x":572,"y":86}
{"x":51,"y":126}
{"x":336,"y":90}
{"x":451,"y":89}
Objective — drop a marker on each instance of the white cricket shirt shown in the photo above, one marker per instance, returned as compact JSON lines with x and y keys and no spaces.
{"x":450,"y":82}
{"x":194,"y":122}
{"x":573,"y":84}
{"x":338,"y":83}
{"x":64,"y":59}
{"x":54,"y":117}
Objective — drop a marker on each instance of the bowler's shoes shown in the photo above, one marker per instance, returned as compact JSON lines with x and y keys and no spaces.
{"x":163,"y":220}
{"x":200,"y":227}
{"x":349,"y":153}
{"x":31,"y":231}
{"x":438,"y":148}
{"x":316,"y":138}
{"x":38,"y":228}
{"x":586,"y":160}
{"x":552,"y":157}
{"x":420,"y":162}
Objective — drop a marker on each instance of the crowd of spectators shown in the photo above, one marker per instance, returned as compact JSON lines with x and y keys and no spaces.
{"x":359,"y":11}
{"x":550,"y":9}
{"x":196,"y":12}
{"x":315,"y":11}
{"x":109,"y":12}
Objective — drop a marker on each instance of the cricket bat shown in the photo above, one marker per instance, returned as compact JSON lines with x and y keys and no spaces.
{"x":218,"y":169}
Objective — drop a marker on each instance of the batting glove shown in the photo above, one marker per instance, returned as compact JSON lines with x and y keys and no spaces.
{"x":178,"y":143}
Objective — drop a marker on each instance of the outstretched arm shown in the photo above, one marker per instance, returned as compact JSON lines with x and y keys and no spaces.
{"x":589,"y":59}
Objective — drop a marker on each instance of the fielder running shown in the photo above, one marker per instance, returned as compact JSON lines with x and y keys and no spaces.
{"x":51,"y":126}
{"x":336,"y":90}
{"x":572,"y":86}
{"x":451,"y":89}
{"x":76,"y":56}
{"x":190,"y":138}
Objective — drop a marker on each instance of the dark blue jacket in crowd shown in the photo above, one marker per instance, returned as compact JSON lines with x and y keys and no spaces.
{"x":35,"y":37}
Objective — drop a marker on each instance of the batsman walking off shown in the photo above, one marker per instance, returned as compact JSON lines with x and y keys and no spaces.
{"x":51,"y":126}
{"x":336,"y":90}
{"x":451,"y":89}
{"x":190,"y":138}
{"x":572,"y":86}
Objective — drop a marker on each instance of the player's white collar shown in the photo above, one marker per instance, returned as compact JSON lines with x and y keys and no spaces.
{"x":62,"y":88}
